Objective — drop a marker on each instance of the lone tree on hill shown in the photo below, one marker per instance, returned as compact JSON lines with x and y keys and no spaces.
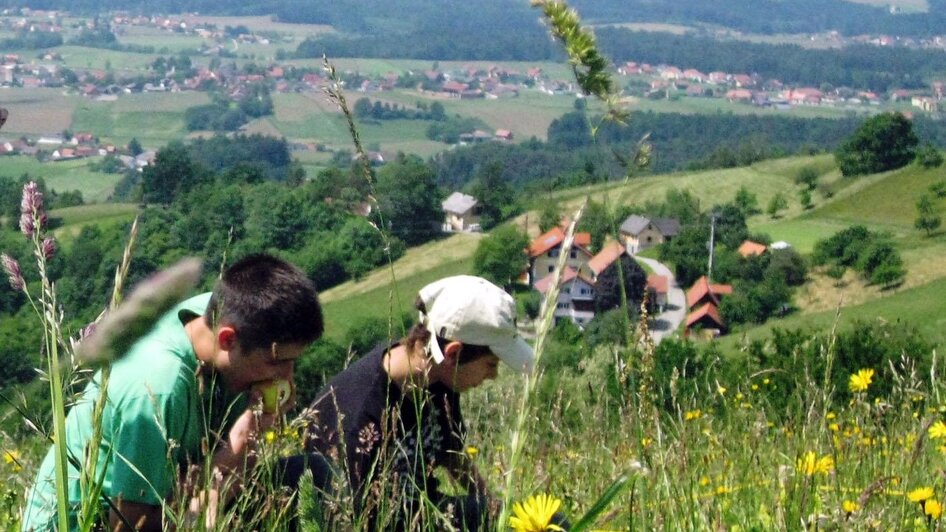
{"x":776,"y":204}
{"x":883,"y":142}
{"x":501,"y":256}
{"x":926,"y":217}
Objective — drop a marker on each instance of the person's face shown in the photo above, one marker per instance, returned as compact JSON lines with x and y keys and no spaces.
{"x":241,"y":368}
{"x":472,"y":374}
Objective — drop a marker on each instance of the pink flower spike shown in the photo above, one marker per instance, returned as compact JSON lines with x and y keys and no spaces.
{"x":32,"y":214}
{"x":12,"y":268}
{"x":49,"y":247}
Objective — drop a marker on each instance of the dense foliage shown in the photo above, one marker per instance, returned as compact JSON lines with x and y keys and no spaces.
{"x":883,"y":142}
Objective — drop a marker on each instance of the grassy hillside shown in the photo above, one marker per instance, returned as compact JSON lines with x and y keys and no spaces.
{"x":373,"y":294}
{"x":63,"y":175}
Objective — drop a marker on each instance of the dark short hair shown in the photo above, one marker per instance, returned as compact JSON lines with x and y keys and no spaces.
{"x":419,"y":333}
{"x":266,"y":300}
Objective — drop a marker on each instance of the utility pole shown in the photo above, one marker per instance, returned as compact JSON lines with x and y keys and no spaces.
{"x":709,"y":270}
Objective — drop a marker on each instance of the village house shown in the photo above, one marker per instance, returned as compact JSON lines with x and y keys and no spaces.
{"x":545,"y":249}
{"x":576,"y":297}
{"x":640,"y":233}
{"x":462,"y":213}
{"x":703,"y":300}
{"x":751,"y":249}
{"x":658,"y":287}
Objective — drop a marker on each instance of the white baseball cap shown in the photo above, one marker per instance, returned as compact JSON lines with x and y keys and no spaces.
{"x":472,"y":310}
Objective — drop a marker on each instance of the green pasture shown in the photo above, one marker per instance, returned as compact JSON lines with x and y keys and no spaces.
{"x":71,"y":220}
{"x":159,"y":39}
{"x":379,"y":302}
{"x":890,"y":200}
{"x":100,"y":58}
{"x":923,"y":307}
{"x":153,"y":118}
{"x":63,"y":176}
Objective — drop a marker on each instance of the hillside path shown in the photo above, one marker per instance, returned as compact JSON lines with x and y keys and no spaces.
{"x":665,"y":323}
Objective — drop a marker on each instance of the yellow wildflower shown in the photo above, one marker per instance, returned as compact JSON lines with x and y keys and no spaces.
{"x":920,"y":494}
{"x":721,"y":389}
{"x":831,"y":415}
{"x":932,"y":508}
{"x":861,"y":380}
{"x":766,"y":381}
{"x":12,"y":457}
{"x":755,"y":387}
{"x":810,"y":464}
{"x":535,"y":514}
{"x":938,"y":430}
{"x":834,"y":427}
{"x":849,"y":507}
{"x":704,"y":481}
{"x":693,"y":414}
{"x":270,"y":436}
{"x":723,"y":490}
{"x":472,"y":451}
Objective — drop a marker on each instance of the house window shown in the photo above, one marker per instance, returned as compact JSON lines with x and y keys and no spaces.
{"x":561,"y":305}
{"x":585,"y":291}
{"x":566,"y":290}
{"x":551,"y":267}
{"x":650,"y":239}
{"x":573,"y":254}
{"x":553,"y":252}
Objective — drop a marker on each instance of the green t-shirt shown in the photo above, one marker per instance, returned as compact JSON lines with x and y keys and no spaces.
{"x":153,"y":422}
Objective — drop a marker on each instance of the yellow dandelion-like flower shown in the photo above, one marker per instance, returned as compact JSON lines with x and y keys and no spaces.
{"x":535,"y":514}
{"x":830,"y":415}
{"x":811,"y":465}
{"x":932,"y":508}
{"x":270,"y":436}
{"x":755,"y":387}
{"x":704,"y":481}
{"x":920,"y":494}
{"x":849,"y":507}
{"x":723,"y":490}
{"x":721,"y":389}
{"x":861,"y":380}
{"x":834,"y":427}
{"x":938,"y":430}
{"x":472,"y":451}
{"x":12,"y":457}
{"x":693,"y":414}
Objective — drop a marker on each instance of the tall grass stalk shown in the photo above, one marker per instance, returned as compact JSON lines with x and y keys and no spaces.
{"x":521,"y":429}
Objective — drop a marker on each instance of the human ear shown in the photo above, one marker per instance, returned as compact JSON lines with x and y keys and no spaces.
{"x":451,"y":352}
{"x":226,"y":338}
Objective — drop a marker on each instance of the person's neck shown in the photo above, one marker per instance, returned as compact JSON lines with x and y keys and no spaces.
{"x":406,"y":370}
{"x":203,"y":341}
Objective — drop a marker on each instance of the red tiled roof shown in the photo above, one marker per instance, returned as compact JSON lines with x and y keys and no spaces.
{"x":701,"y":288}
{"x":658,"y":283}
{"x":606,"y":257}
{"x":553,"y":237}
{"x":750,"y":248}
{"x":707,"y":310}
{"x":543,"y":284}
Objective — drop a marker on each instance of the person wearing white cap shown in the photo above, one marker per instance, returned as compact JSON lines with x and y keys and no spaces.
{"x":393,"y":417}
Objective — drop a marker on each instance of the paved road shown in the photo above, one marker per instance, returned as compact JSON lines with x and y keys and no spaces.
{"x":666,"y":323}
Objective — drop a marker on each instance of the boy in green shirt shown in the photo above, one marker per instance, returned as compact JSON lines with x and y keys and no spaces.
{"x":166,"y":396}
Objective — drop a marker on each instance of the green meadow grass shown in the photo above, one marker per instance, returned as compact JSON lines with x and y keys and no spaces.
{"x":64,"y":176}
{"x":36,"y":111}
{"x":73,"y":219}
{"x":379,"y":302}
{"x":923,"y":307}
{"x":100,"y":58}
{"x":154,"y":119}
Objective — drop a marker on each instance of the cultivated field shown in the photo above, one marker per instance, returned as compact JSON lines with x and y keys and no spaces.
{"x":63,"y":176}
{"x":36,"y":111}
